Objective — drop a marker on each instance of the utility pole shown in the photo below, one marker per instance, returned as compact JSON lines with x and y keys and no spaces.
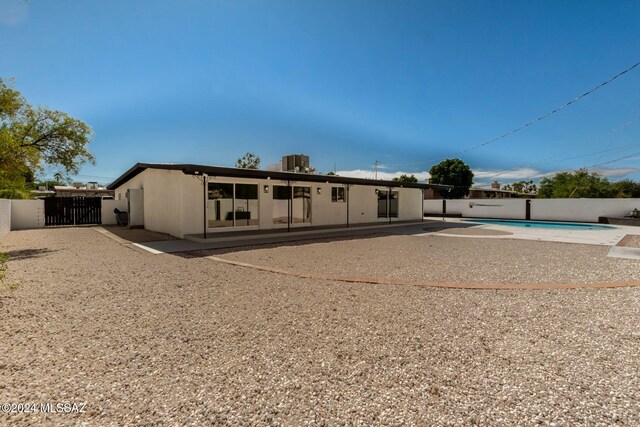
{"x":375,"y":167}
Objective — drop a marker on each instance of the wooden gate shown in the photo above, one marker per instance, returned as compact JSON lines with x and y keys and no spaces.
{"x":72,"y":210}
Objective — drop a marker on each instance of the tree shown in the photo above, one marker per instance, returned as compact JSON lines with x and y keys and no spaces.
{"x":627,"y":188}
{"x":248,"y":161}
{"x":331,"y":173}
{"x":406,"y":178}
{"x":580,"y":183}
{"x":33,"y":137}
{"x":453,"y":172}
{"x":522,"y":187}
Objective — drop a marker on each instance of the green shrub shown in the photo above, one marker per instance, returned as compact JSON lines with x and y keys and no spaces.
{"x":3,"y":265}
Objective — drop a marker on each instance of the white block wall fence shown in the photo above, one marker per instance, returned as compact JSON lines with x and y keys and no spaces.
{"x":5,"y":217}
{"x":27,"y":214}
{"x":579,"y":210}
{"x":584,"y":210}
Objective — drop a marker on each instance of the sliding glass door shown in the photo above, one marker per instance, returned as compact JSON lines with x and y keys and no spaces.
{"x":291,"y":205}
{"x":301,"y":212}
{"x":232,"y":205}
{"x":220,"y":205}
{"x":246,"y":205}
{"x":393,"y":204}
{"x":382,"y":203}
{"x":387,"y":204}
{"x":281,"y":204}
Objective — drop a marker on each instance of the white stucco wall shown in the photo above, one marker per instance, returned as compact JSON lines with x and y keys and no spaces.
{"x":487,"y":208}
{"x":581,"y":210}
{"x":108,"y":216}
{"x":433,"y":206}
{"x":192,"y":205}
{"x":410,"y":204}
{"x":174,"y":202}
{"x":26,"y":214}
{"x":5,"y":217}
{"x":585,"y":210}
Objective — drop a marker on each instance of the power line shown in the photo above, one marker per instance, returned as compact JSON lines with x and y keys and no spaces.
{"x":590,"y":166}
{"x":615,"y":160}
{"x":536,"y":120}
{"x":634,"y":120}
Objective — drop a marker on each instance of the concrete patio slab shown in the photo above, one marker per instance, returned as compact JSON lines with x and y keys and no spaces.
{"x":605,"y":237}
{"x":624,"y":252}
{"x":193,"y":243}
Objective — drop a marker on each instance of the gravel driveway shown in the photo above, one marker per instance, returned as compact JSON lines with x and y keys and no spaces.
{"x":167,"y":340}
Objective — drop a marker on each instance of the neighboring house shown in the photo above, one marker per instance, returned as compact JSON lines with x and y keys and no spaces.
{"x":491,"y":193}
{"x":91,"y":189}
{"x":170,"y":198}
{"x":474,"y":193}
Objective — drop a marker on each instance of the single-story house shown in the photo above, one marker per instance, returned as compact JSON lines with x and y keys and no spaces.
{"x":183,"y":199}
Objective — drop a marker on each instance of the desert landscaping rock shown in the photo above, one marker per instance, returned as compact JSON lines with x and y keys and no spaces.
{"x":445,"y":259}
{"x":631,"y":241}
{"x":180,"y":340}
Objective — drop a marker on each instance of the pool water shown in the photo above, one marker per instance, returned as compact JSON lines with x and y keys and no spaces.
{"x":542,"y":224}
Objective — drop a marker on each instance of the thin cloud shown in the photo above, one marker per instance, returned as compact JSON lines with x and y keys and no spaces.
{"x":484,"y":176}
{"x":617,"y":172}
{"x":370,"y":174}
{"x":505,"y":175}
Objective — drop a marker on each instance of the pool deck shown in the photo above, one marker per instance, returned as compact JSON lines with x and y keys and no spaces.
{"x":604,"y":237}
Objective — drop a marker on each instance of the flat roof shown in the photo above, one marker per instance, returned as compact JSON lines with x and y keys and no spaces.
{"x":190,"y":169}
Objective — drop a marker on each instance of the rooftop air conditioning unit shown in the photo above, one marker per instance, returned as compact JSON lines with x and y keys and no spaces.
{"x":295,"y":163}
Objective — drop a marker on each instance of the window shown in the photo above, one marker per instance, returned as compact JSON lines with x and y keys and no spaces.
{"x":246,"y":204}
{"x":281,"y":204}
{"x":337,"y":194}
{"x":291,"y":205}
{"x":387,"y":204}
{"x":301,"y":205}
{"x":232,"y":205}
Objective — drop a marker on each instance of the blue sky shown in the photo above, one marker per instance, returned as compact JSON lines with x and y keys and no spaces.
{"x":346,"y":82}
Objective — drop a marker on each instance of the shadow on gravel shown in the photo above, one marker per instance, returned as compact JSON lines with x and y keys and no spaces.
{"x":136,"y":235}
{"x":28,"y":253}
{"x":209,"y":252}
{"x":431,"y":226}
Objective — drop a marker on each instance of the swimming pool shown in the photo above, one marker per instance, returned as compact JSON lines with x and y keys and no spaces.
{"x":542,"y":224}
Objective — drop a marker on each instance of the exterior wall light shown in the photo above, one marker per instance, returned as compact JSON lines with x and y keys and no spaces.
{"x":266,"y":188}
{"x":319,"y":190}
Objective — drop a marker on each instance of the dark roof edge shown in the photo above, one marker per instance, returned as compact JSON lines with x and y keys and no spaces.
{"x":190,"y":169}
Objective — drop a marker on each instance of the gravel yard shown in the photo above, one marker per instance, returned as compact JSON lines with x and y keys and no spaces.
{"x":161,"y":339}
{"x":447,"y":259}
{"x":630,"y":241}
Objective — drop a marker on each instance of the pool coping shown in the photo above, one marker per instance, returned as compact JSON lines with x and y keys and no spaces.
{"x":578,"y":226}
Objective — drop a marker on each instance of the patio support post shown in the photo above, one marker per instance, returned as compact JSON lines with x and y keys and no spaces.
{"x":289,"y":207}
{"x":204,"y":179}
{"x":204,"y":208}
{"x":389,"y":203}
{"x":422,"y":213}
{"x":347,"y":186}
